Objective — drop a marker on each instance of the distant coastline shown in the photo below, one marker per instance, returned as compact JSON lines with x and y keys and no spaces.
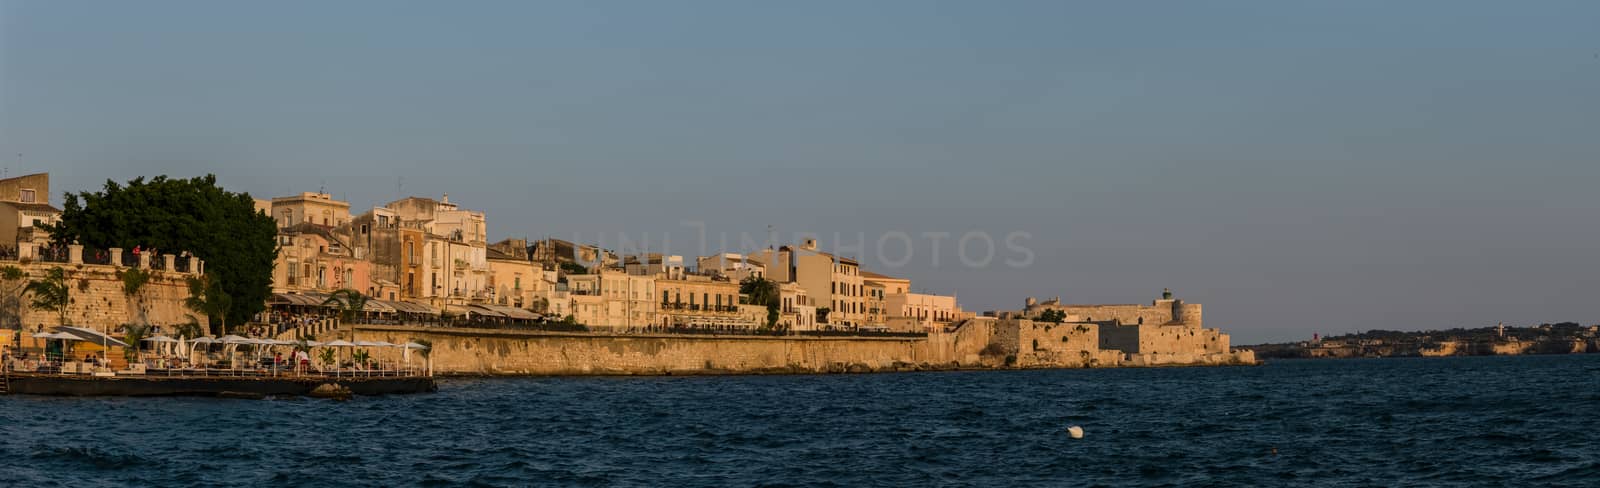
{"x":1500,"y":340}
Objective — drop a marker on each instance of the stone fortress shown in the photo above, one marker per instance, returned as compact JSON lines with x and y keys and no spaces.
{"x":1165,"y":332}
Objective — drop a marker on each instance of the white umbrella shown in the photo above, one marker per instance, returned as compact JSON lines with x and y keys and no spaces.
{"x":339,"y":343}
{"x":204,"y":340}
{"x":160,"y":339}
{"x":405,"y":350}
{"x":373,"y":344}
{"x":233,"y":339}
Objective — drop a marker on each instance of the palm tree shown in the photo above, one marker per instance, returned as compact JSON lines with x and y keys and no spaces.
{"x":134,"y":335}
{"x":348,"y":301}
{"x":133,"y":281}
{"x":207,"y":298}
{"x":52,"y":292}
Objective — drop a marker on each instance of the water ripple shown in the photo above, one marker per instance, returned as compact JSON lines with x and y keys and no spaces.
{"x":1414,"y":422}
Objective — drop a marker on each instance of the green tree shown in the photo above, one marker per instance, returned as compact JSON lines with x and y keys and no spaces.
{"x":348,"y":301}
{"x":822,"y":315}
{"x":207,"y":298}
{"x":188,"y":330}
{"x":223,"y":228}
{"x":1052,"y":316}
{"x":572,"y":268}
{"x":762,"y":291}
{"x":133,"y":281}
{"x":12,"y":284}
{"x":52,"y":292}
{"x":134,"y":335}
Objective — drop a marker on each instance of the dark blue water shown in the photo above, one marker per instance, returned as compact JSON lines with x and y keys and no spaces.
{"x":1417,"y":422}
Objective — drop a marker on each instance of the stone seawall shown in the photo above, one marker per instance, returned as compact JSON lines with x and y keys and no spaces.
{"x":975,"y":345}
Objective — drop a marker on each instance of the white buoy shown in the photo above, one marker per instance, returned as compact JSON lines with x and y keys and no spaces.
{"x":1075,"y":431}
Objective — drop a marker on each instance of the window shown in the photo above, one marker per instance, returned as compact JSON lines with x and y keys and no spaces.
{"x":25,"y":196}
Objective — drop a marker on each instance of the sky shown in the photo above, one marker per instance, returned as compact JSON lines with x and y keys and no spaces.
{"x":1296,"y":167}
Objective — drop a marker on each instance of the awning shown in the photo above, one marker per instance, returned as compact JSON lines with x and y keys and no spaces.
{"x":378,"y":306}
{"x":500,"y":311}
{"x":408,"y":307}
{"x":481,"y":310}
{"x":297,"y":299}
{"x":91,"y":335}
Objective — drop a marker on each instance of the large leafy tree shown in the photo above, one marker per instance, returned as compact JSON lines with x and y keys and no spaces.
{"x":221,"y":227}
{"x":762,"y":291}
{"x":206,"y":297}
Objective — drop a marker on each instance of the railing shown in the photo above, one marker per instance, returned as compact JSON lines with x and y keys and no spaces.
{"x":265,"y":368}
{"x":58,"y":254}
{"x":181,"y":265}
{"x":157,"y":262}
{"x":8,"y":253}
{"x":129,"y":259}
{"x":96,"y":256}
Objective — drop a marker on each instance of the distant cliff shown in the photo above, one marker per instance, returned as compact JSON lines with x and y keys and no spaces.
{"x":1562,"y":338}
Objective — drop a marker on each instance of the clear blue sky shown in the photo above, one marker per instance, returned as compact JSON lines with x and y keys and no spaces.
{"x":1297,"y":167}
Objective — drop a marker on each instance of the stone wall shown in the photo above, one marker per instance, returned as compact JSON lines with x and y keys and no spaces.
{"x":1043,"y":344}
{"x":501,"y":352}
{"x":976,"y":344}
{"x":98,"y":300}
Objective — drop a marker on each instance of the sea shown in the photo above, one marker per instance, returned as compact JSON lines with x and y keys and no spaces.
{"x":1479,"y":421}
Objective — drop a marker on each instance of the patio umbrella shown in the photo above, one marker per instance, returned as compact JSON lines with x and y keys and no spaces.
{"x":161,"y":339}
{"x":198,"y":341}
{"x":339,"y":343}
{"x":406,"y":350}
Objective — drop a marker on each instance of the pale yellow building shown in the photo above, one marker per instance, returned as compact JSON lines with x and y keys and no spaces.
{"x":512,"y":280}
{"x":831,"y":282}
{"x":612,"y":299}
{"x":697,"y":300}
{"x":736,"y":267}
{"x":310,"y":208}
{"x":24,"y":206}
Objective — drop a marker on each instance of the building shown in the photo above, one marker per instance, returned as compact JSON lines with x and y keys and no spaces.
{"x":929,"y":312}
{"x":512,"y":280}
{"x":833,"y":283}
{"x":736,"y":267}
{"x":556,"y":251}
{"x":24,"y":206}
{"x":432,"y":249}
{"x":611,"y":299}
{"x":655,"y":264}
{"x":796,"y":311}
{"x":1165,"y":327}
{"x":313,"y":258}
{"x":879,"y":288}
{"x":310,"y":208}
{"x":699,"y":300}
